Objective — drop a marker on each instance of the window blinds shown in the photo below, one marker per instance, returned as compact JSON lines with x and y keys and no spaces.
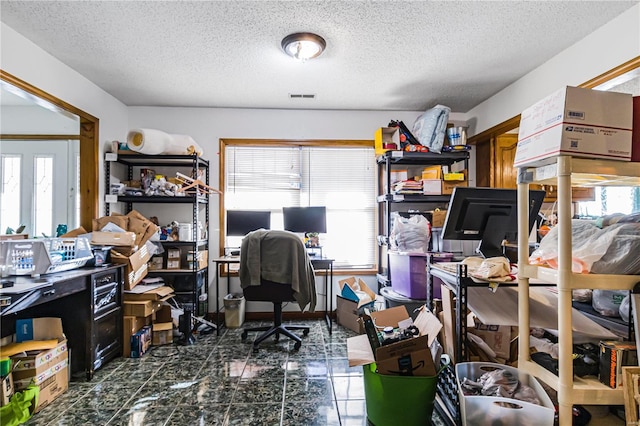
{"x":340,"y":178}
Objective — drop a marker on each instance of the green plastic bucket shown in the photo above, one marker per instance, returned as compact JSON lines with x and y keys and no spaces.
{"x":398,"y":400}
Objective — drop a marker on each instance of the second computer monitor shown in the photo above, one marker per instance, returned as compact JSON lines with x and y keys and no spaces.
{"x":305,"y":219}
{"x":241,"y":222}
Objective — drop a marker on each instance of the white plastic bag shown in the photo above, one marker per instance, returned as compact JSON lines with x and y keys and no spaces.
{"x":608,"y":302}
{"x":431,"y":126}
{"x":589,"y":245}
{"x":410,"y":234}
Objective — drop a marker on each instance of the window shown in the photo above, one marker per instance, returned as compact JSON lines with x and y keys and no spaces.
{"x":338,"y":175}
{"x":611,"y":199}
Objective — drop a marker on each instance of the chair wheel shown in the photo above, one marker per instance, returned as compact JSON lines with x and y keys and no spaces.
{"x":305,"y":332}
{"x":244,"y":335}
{"x":297,"y":346}
{"x":276,"y":337}
{"x":256,"y":349}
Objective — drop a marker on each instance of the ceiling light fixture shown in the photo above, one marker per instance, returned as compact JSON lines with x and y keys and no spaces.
{"x":303,"y":46}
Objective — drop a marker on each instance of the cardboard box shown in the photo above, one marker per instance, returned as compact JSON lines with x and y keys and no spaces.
{"x":578,"y":122}
{"x":131,"y":325}
{"x":156,"y":263}
{"x":406,"y":356}
{"x":497,"y":337}
{"x":202,"y":257}
{"x":386,"y":135}
{"x":47,"y":368}
{"x":6,"y":390}
{"x":173,"y":253}
{"x":122,"y":239}
{"x":162,"y":333}
{"x":448,"y":185}
{"x":41,"y":345}
{"x":438,"y":217}
{"x":140,"y":308}
{"x":141,"y":342}
{"x":431,"y":186}
{"x":35,"y":365}
{"x":136,"y":268}
{"x":398,"y":176}
{"x":173,"y":263}
{"x":350,"y":305}
{"x":613,"y":356}
{"x":163,"y":314}
{"x":157,"y":294}
{"x":52,"y":387}
{"x":347,"y":314}
{"x":432,"y":173}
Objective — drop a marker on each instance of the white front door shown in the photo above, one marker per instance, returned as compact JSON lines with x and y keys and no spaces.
{"x":38,"y":185}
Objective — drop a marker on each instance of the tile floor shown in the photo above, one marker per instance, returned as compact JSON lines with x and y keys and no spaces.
{"x":219,"y":380}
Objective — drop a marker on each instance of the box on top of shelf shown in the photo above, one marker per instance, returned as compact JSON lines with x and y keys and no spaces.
{"x":408,"y":273}
{"x":578,"y":122}
{"x":384,"y":136}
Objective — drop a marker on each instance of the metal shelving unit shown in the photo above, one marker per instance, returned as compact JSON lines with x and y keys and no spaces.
{"x":389,"y":201}
{"x":188,"y":283}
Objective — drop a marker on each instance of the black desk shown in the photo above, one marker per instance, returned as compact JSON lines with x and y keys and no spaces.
{"x":318,"y":263}
{"x":327,"y":265}
{"x":89,"y":302}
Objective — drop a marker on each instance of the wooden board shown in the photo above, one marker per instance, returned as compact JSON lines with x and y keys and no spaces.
{"x":630,"y":382}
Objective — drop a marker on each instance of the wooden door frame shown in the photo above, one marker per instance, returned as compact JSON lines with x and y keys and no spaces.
{"x":88,"y":134}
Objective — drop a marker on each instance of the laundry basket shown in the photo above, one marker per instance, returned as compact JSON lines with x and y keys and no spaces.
{"x":44,"y":255}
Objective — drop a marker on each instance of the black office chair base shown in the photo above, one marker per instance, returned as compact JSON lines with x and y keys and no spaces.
{"x":277,"y":329}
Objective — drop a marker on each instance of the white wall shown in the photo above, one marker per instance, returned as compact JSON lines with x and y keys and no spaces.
{"x":611,"y":45}
{"x":25,"y":60}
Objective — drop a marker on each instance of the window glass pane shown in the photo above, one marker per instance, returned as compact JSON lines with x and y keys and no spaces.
{"x":10,"y":193}
{"x":609,"y":200}
{"x":341,"y":179}
{"x":43,"y":195}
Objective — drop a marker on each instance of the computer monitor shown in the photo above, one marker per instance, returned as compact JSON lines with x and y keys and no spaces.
{"x":305,"y":219}
{"x":241,"y":222}
{"x":489,"y":215}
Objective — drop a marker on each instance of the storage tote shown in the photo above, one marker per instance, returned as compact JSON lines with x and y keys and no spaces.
{"x":480,"y":410}
{"x":398,"y":400}
{"x":408,"y":273}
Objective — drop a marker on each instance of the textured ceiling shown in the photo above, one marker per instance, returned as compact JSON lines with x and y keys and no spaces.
{"x":381,"y":55}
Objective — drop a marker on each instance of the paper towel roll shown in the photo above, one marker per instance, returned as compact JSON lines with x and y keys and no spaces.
{"x":154,"y":142}
{"x":148,"y":141}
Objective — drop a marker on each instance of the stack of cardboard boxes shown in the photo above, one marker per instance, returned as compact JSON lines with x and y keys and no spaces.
{"x":40,"y":357}
{"x":128,"y":247}
{"x":147,"y":320}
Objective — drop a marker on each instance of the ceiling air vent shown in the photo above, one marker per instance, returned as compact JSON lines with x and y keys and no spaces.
{"x":301,"y":96}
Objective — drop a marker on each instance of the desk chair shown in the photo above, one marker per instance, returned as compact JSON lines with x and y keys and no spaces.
{"x":275,"y":267}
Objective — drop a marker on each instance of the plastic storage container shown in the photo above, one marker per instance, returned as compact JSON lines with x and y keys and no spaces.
{"x":492,"y":410}
{"x":234,"y":307}
{"x":398,"y":400}
{"x":44,"y":255}
{"x":408,"y":273}
{"x":393,"y":299}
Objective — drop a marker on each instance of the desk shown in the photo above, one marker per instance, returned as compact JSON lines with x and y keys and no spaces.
{"x":327,"y":265}
{"x":89,"y":302}
{"x":318,"y":263}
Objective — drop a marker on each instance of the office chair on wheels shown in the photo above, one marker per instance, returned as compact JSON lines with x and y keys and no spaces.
{"x":275,"y":267}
